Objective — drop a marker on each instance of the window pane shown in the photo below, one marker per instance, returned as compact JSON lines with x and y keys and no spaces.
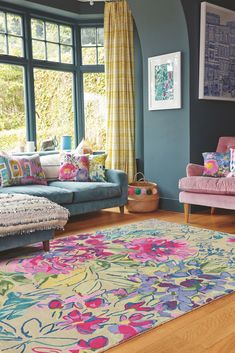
{"x":65,"y":35}
{"x":39,"y":50}
{"x":3,"y":46}
{"x":66,"y":54}
{"x":52,"y":32}
{"x":14,"y":24}
{"x":15,"y":46}
{"x":2,"y":22}
{"x":52,"y":52}
{"x":101,"y":55}
{"x":12,"y":108}
{"x":89,"y":56}
{"x":54,"y":104}
{"x":100,"y":36}
{"x":88,"y":36}
{"x":94,"y":103}
{"x":37,"y":27}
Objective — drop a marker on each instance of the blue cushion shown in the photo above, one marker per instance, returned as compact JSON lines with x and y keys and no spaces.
{"x":58,"y":195}
{"x":89,"y":191}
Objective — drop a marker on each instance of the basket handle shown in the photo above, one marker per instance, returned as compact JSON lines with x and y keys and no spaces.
{"x":141,"y":179}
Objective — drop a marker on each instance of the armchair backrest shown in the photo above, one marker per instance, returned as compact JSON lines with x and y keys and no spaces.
{"x":225,"y":143}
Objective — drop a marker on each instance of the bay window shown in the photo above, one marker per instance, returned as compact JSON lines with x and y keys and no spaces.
{"x":51,"y":79}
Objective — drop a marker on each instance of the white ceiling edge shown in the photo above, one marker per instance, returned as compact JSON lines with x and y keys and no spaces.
{"x":39,"y":7}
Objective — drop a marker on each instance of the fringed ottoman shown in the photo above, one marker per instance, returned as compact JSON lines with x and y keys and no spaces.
{"x":26,"y":219}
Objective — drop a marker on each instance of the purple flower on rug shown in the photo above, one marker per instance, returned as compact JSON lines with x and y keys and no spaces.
{"x":137,"y":306}
{"x":131,"y":326}
{"x":85,"y":323}
{"x":99,"y":247}
{"x":93,"y":344}
{"x":158,"y":249}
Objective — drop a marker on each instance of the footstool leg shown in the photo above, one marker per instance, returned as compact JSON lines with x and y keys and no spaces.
{"x":46,"y":245}
{"x":122,"y":209}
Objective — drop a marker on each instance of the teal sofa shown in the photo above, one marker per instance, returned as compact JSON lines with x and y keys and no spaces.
{"x":81,"y":197}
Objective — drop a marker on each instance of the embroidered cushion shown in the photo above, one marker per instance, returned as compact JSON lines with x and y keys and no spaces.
{"x":97,"y":167}
{"x":232,"y":159}
{"x":74,"y":168}
{"x":21,"y":170}
{"x":216,"y":164}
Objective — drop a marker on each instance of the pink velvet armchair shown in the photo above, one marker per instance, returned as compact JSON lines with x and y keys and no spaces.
{"x":196,"y":189}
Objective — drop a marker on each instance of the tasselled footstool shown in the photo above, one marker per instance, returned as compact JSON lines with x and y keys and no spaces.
{"x":26,"y":219}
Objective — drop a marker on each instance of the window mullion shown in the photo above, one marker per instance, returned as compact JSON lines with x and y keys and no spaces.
{"x":29,"y":82}
{"x":78,"y":89}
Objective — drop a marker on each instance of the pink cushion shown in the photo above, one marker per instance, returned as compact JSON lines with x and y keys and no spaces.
{"x":221,"y":201}
{"x":194,"y":169}
{"x":207,"y":185}
{"x":225,"y":143}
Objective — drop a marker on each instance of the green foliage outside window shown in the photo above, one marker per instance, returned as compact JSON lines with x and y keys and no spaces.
{"x":54,"y":96}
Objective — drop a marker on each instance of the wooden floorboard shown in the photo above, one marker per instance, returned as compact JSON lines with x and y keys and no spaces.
{"x":209,"y":329}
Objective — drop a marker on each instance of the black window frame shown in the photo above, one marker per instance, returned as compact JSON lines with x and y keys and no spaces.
{"x":29,"y":64}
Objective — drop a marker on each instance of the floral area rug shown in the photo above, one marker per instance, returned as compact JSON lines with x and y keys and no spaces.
{"x":94,"y":291}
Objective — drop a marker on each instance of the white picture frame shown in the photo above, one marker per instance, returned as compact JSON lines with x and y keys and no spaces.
{"x":217,"y":49}
{"x":164,"y":81}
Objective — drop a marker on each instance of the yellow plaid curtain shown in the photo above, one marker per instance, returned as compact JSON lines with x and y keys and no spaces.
{"x":119,"y":73}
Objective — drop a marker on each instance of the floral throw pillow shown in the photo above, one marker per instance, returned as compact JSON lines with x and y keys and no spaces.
{"x":97,"y":167}
{"x":21,"y":170}
{"x":216,"y":164}
{"x":232,"y":159}
{"x":74,"y":168}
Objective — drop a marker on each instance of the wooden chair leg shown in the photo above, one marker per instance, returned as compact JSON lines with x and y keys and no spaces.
{"x":212,"y":210}
{"x":46,"y":245}
{"x":186,"y":212}
{"x":122,"y":209}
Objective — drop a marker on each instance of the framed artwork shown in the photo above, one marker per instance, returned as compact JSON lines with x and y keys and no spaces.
{"x":164,"y":81}
{"x":217,"y":53}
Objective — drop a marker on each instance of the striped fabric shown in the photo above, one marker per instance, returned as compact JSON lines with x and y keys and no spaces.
{"x":119,"y":69}
{"x":21,"y":214}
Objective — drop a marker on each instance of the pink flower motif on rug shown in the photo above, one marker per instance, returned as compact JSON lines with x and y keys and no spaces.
{"x":132,"y":326}
{"x":85,"y":323}
{"x":93,"y":344}
{"x":158,"y":249}
{"x":231,"y":240}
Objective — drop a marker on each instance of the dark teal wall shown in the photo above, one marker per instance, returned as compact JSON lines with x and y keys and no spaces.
{"x":208,"y":119}
{"x":162,"y":29}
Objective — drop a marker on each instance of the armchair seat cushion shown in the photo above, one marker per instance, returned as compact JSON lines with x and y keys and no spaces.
{"x":207,"y":185}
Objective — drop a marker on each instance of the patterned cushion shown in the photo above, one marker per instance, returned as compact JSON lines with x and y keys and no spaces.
{"x":74,"y":168}
{"x":97,"y":167}
{"x":232,"y":159}
{"x":216,"y":164}
{"x":21,"y":170}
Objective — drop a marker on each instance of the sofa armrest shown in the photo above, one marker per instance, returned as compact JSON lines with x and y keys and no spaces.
{"x":118,"y":177}
{"x":194,"y":169}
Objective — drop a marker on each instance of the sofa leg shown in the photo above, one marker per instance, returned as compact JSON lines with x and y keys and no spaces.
{"x":212,"y":210}
{"x":186,"y":212}
{"x":122,"y":208}
{"x":46,"y":245}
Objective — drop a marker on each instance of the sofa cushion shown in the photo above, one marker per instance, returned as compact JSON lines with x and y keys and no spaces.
{"x":89,"y":191}
{"x":58,"y":195}
{"x":208,"y":185}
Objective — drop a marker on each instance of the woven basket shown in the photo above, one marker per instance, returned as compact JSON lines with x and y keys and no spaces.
{"x":143,"y":195}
